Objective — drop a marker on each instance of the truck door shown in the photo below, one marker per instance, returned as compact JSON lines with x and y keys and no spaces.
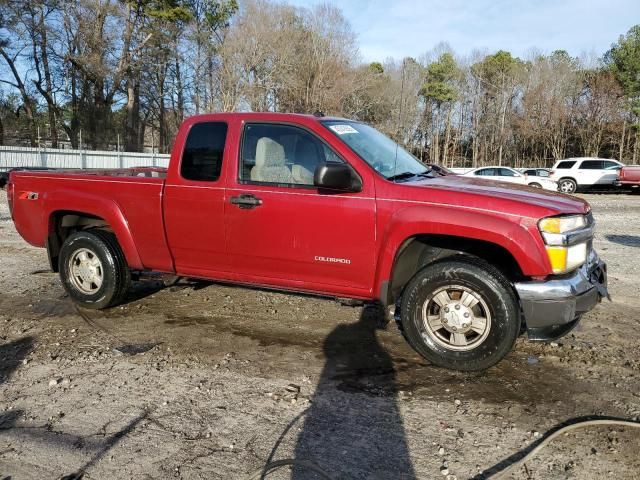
{"x":194,"y":201}
{"x":282,"y":230}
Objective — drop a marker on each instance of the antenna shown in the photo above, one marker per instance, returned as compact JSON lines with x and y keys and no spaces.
{"x":400,"y":118}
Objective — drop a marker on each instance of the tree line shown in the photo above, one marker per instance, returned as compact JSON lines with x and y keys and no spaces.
{"x":88,"y":72}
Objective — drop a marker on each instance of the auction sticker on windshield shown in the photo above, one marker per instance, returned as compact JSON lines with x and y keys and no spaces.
{"x":342,"y":129}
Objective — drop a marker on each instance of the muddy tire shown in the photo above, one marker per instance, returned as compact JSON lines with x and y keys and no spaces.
{"x":461,"y":314}
{"x":93,"y":269}
{"x":567,"y":185}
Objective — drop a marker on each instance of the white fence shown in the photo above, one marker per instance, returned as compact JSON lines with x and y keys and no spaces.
{"x":11,"y":157}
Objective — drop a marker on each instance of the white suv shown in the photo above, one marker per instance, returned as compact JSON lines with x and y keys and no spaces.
{"x":574,"y":173}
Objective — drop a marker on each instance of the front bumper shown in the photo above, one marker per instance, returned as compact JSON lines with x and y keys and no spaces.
{"x":550,"y":304}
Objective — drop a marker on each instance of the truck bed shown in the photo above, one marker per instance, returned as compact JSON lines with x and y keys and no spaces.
{"x":126,"y":199}
{"x":149,"y":172}
{"x":629,"y":175}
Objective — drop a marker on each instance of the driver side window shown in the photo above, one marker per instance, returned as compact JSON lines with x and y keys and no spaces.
{"x":281,"y":154}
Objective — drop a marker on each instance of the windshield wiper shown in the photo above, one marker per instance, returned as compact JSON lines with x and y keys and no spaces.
{"x":407,"y":175}
{"x":401,"y":176}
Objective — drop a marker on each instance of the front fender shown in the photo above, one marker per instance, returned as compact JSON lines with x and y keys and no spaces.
{"x":86,"y":203}
{"x":514,"y":234}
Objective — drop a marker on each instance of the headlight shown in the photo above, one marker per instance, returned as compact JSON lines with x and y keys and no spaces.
{"x":562,"y":224}
{"x":566,"y":240}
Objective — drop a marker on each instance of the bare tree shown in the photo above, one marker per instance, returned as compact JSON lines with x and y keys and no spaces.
{"x":102,"y":69}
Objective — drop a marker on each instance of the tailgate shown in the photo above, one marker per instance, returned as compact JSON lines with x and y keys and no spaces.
{"x":25,"y":204}
{"x":630,"y":174}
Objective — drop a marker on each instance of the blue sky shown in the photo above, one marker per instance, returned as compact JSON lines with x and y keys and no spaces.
{"x":397,"y":28}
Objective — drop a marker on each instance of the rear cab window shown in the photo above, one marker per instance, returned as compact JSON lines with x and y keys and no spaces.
{"x":203,"y":152}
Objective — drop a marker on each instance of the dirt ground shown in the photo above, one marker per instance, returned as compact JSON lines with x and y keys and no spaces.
{"x":205,"y":381}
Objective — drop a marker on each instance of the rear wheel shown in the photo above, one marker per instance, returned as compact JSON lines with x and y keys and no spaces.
{"x":93,"y":269}
{"x":461,"y":314}
{"x":567,"y":185}
{"x":535,"y":185}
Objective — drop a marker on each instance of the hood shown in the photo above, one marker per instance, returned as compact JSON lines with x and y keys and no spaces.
{"x":500,"y":196}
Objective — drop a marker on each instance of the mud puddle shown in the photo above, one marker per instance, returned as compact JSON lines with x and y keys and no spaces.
{"x":233,"y":324}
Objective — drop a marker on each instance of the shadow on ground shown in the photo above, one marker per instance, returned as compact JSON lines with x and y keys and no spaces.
{"x":337,"y":434}
{"x":12,"y":354}
{"x":626,"y":240}
{"x":43,"y":435}
{"x":105,"y":447}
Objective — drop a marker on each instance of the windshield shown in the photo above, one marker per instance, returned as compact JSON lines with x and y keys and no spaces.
{"x":377,"y":150}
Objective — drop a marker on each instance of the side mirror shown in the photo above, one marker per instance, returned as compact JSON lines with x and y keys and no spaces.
{"x":336,"y":176}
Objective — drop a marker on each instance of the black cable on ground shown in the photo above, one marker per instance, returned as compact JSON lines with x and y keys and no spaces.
{"x":510,"y":469}
{"x":567,"y":428}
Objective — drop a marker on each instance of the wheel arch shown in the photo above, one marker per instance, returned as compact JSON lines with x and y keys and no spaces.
{"x":421,"y":250}
{"x":506,"y":244}
{"x":65,"y":218}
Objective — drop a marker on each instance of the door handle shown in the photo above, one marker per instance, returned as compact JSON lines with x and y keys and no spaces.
{"x":246,"y":200}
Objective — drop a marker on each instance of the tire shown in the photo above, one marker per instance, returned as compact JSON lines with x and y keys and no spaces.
{"x":476,"y":283}
{"x":535,"y":185}
{"x":93,"y":269}
{"x":567,"y":185}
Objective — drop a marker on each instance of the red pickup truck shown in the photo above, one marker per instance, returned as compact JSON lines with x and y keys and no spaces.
{"x":629,"y":176}
{"x":329,"y":206}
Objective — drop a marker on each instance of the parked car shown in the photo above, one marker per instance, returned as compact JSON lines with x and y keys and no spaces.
{"x":542,"y":173}
{"x":511,"y":175}
{"x":629,"y":177}
{"x":536,"y":172}
{"x":333,"y":207}
{"x":573,"y":174}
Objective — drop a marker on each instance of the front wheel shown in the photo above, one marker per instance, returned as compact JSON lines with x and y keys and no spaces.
{"x":460,"y":314}
{"x":535,"y":185}
{"x":93,"y":269}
